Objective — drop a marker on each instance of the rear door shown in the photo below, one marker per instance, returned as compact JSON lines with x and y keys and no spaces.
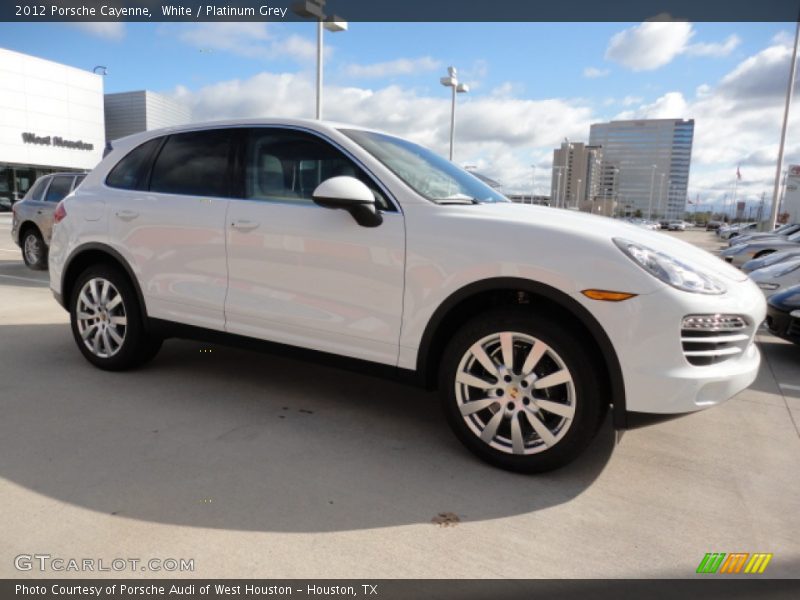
{"x":167,"y":217}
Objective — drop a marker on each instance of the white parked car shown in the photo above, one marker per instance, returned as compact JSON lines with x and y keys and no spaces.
{"x":677,"y":226}
{"x":778,"y":277}
{"x":351,"y":243}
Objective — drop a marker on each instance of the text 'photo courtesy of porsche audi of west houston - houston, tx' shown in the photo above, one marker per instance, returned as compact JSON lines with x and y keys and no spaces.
{"x":366,"y":248}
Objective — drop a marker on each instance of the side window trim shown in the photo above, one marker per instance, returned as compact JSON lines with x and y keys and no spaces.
{"x":46,"y":189}
{"x":239,"y":188}
{"x":144,"y":186}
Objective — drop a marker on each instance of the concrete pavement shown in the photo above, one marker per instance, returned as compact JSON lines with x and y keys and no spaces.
{"x":262,"y":466}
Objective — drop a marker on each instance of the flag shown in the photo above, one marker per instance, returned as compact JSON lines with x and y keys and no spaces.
{"x":738,"y":174}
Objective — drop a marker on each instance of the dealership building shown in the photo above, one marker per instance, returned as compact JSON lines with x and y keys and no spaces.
{"x":54,"y":117}
{"x":51,"y":119}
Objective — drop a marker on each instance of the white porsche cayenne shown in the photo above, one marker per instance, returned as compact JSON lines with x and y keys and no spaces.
{"x":357,"y":245}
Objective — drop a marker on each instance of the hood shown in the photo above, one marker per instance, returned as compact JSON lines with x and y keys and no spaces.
{"x":603,"y":230}
{"x":788,"y":299}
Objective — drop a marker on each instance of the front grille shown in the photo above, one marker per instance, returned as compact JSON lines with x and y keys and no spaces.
{"x":711,"y":339}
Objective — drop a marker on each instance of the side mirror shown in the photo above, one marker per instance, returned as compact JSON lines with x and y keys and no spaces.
{"x":352,"y":195}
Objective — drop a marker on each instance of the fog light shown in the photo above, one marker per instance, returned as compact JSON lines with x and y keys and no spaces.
{"x":713,"y":322}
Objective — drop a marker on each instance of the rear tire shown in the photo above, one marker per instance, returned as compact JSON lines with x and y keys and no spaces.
{"x":539,"y":409}
{"x":34,"y":250}
{"x":107,"y":320}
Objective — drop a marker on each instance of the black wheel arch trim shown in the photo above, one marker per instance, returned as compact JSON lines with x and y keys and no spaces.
{"x":556,"y":296}
{"x":114,"y":254}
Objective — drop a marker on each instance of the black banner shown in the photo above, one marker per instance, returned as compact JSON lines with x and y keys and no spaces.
{"x":399,"y":10}
{"x":388,"y":589}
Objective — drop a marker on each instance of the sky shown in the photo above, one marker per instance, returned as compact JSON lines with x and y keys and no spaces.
{"x":531,"y":84}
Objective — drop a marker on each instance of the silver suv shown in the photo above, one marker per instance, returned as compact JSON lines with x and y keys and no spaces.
{"x":32,"y":221}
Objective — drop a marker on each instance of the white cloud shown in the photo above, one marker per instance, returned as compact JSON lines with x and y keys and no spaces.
{"x":714,"y":49}
{"x":401,"y":66}
{"x":502,"y":131}
{"x":655,"y":43}
{"x":109,"y":30}
{"x":649,"y":45}
{"x":594,"y":72}
{"x":737,"y":120}
{"x":249,"y":40}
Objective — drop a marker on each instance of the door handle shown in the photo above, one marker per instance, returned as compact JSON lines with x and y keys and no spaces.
{"x":127,"y":215}
{"x":243,"y":225}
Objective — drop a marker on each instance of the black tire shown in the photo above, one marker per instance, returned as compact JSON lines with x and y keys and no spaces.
{"x":137,"y":346}
{"x":589,"y":407}
{"x":37,"y":261}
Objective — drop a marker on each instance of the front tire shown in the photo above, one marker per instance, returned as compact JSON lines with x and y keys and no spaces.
{"x":520,"y":391}
{"x":106,"y":320}
{"x":34,"y":250}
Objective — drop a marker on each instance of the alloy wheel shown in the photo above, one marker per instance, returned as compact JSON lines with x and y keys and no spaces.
{"x":515,"y":393}
{"x":101,"y":317}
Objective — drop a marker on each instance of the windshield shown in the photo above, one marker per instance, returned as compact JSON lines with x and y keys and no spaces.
{"x":429,"y":174}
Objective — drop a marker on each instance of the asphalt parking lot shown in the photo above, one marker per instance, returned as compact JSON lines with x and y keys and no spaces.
{"x":262,"y":466}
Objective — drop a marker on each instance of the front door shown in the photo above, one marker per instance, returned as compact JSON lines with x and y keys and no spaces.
{"x":302,"y":274}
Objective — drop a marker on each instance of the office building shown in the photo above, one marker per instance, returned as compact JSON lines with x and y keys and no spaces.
{"x":131,"y":112}
{"x":653,"y":158}
{"x":577,"y":174}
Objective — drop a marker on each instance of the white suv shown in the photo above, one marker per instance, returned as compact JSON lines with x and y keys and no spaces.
{"x":354,"y":244}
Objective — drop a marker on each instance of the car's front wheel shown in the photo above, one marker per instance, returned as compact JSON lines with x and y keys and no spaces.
{"x":34,"y":250}
{"x":106,"y":320}
{"x":520,"y":390}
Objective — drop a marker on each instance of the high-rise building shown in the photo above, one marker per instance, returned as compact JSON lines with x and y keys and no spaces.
{"x":577,"y":174}
{"x":652,"y":157}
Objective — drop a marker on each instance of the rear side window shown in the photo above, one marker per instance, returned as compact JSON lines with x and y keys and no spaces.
{"x":194,"y":163}
{"x":58,"y":189}
{"x":35,"y":193}
{"x":131,"y":172}
{"x":78,"y":180}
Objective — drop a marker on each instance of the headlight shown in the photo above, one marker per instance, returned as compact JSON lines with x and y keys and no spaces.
{"x":669,"y":270}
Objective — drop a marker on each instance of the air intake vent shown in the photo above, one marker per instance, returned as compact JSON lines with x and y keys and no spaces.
{"x":711,"y":339}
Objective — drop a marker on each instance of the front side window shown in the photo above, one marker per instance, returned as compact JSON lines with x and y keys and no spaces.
{"x":131,"y":172}
{"x":429,"y":174}
{"x":288,"y":165}
{"x":194,"y":163}
{"x":59,"y":188}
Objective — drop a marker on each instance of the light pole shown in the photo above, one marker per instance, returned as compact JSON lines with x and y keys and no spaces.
{"x":773,"y":217}
{"x":451,"y":81}
{"x":533,"y":185}
{"x":313,"y":9}
{"x":660,"y":194}
{"x":650,"y":206}
{"x":558,"y":187}
{"x":578,"y":195}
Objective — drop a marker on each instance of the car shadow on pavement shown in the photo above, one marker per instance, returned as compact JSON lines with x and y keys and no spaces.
{"x":209,"y":436}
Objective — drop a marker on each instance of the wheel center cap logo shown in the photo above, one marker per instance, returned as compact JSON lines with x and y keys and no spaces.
{"x":513,"y":392}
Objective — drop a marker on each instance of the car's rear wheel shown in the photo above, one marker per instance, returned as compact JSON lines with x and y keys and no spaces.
{"x":106,"y":320}
{"x":520,"y":391}
{"x":34,"y":250}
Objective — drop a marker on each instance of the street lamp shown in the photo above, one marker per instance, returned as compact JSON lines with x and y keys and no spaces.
{"x":103,"y":70}
{"x":652,"y":181}
{"x":533,"y":185}
{"x":451,"y":81}
{"x":313,"y":9}
{"x":578,"y":195}
{"x":661,"y":193}
{"x":558,"y":187}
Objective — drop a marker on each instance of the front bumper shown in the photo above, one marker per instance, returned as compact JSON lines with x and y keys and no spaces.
{"x":658,"y":377}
